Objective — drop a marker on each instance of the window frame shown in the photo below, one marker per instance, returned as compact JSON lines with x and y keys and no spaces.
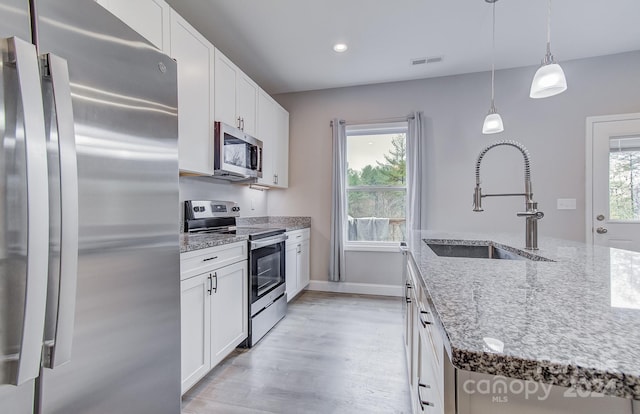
{"x":385,"y":128}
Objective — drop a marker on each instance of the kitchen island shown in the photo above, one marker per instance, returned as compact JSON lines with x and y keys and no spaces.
{"x":572,"y":320}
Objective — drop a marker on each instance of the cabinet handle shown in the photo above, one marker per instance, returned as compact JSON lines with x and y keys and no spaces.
{"x":210,"y":285}
{"x":215,"y":287}
{"x":424,"y":322}
{"x":423,"y":402}
{"x":242,"y":124}
{"x":210,"y":258}
{"x":238,"y":123}
{"x":299,"y":248}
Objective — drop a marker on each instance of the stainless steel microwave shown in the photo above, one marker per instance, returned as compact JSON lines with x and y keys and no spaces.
{"x":238,"y":155}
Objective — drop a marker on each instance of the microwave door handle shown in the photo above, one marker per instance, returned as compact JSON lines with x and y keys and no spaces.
{"x":25,"y":59}
{"x":60,"y":351}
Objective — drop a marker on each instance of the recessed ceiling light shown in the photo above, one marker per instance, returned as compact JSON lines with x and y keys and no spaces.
{"x":340,"y":47}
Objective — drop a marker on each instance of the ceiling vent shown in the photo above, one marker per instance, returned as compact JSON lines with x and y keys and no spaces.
{"x":426,"y":60}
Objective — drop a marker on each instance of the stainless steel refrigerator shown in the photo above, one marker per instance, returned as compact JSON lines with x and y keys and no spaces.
{"x":89,"y":257}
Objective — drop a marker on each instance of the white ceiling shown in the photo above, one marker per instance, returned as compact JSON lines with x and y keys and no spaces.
{"x":286,"y":45}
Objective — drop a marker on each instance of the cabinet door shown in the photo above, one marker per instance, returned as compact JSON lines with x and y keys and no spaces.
{"x":247,"y":103}
{"x":225,"y":89}
{"x":291,"y":270}
{"x":195,"y":57}
{"x":303,"y":264}
{"x":150,"y":18}
{"x":195,"y":316}
{"x":229,"y":310}
{"x":267,"y":128}
{"x":281,"y":167}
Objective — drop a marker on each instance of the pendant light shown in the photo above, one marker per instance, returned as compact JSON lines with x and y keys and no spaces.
{"x":493,"y":121}
{"x":549,"y":79}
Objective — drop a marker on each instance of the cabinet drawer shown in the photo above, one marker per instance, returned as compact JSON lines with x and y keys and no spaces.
{"x":297,"y":236}
{"x":200,"y":261}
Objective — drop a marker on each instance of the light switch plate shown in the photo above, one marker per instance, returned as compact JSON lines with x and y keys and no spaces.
{"x":566,"y":204}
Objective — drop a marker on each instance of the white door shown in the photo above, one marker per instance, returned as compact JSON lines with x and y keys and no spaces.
{"x":613,"y":170}
{"x":194,"y":55}
{"x":291,"y":270}
{"x":303,"y":264}
{"x":229,"y":309}
{"x":225,"y":90}
{"x":195,"y":314}
{"x":247,"y":102}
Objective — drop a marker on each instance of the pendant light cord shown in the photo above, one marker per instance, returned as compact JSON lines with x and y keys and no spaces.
{"x":493,"y":58}
{"x":549,"y":28}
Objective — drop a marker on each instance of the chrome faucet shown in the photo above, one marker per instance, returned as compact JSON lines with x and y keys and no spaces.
{"x":532,"y":214}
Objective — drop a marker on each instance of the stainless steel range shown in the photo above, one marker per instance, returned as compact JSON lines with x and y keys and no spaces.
{"x":267,"y":297}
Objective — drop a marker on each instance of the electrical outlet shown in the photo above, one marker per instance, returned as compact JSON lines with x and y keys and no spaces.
{"x":566,"y":204}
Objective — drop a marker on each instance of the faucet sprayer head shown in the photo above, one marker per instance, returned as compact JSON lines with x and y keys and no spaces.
{"x":477,"y":199}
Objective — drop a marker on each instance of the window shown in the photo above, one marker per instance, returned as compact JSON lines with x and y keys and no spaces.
{"x":624,"y":179}
{"x":376,"y":184}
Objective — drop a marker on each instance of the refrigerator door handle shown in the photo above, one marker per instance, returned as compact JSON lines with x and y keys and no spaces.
{"x":59,"y":352}
{"x":25,"y":58}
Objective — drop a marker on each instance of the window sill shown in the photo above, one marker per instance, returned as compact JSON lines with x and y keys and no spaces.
{"x":373,"y":247}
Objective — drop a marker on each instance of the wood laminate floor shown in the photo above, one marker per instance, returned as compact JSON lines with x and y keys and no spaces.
{"x":333,"y":353}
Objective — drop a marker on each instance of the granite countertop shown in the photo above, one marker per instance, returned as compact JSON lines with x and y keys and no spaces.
{"x":191,"y":242}
{"x":286,"y":222}
{"x":573,"y":321}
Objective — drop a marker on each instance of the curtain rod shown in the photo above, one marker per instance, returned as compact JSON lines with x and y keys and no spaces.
{"x":375,"y":121}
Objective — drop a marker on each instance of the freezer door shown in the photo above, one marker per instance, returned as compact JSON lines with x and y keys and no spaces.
{"x":125,"y":354}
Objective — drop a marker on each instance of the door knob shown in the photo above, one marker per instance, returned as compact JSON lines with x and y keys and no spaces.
{"x":601,"y":230}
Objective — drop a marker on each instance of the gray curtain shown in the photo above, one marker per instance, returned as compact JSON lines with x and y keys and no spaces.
{"x":338,"y":201}
{"x":415,"y":142}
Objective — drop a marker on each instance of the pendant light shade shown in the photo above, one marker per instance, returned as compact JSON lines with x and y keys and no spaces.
{"x":493,"y":121}
{"x":549,"y":79}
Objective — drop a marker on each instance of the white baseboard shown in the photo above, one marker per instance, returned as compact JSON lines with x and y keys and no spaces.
{"x":357,"y":288}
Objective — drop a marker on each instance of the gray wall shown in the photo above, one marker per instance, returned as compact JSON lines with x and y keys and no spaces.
{"x":553,"y":130}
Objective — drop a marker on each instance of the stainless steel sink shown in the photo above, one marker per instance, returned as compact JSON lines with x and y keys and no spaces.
{"x":473,"y":251}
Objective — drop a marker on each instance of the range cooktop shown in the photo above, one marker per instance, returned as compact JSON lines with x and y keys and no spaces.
{"x":219,"y":217}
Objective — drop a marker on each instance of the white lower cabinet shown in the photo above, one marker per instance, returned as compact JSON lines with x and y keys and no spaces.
{"x":297,"y":262}
{"x":214,"y":308}
{"x":229,"y":307}
{"x":195,"y":317}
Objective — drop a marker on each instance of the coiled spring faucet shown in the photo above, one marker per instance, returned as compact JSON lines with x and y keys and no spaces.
{"x":532,"y":214}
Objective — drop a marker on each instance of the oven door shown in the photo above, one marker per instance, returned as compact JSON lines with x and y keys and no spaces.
{"x":267,"y":266}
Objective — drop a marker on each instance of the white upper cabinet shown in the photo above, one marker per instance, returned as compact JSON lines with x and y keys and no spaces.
{"x":273,"y":130}
{"x":236,"y":96}
{"x":281,"y":166}
{"x":267,"y":127}
{"x":210,"y":88}
{"x":225,"y":90}
{"x":195,"y":57}
{"x":150,"y":18}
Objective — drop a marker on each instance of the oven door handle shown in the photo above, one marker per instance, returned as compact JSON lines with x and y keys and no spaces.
{"x":256,"y":244}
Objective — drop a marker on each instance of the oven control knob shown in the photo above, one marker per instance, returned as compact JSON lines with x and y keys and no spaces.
{"x":235,"y":208}
{"x":196,"y":209}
